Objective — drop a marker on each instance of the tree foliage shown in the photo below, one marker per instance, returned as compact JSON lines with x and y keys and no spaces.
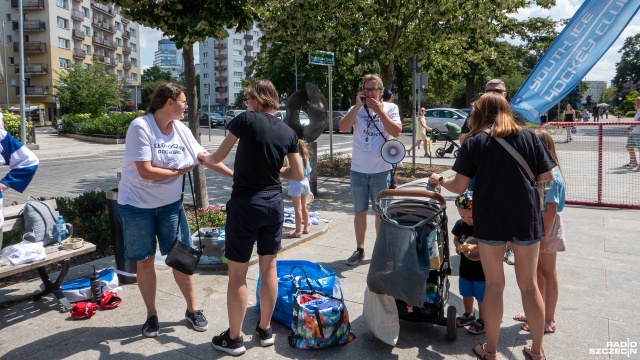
{"x":155,"y":74}
{"x":627,"y":76}
{"x":92,"y":89}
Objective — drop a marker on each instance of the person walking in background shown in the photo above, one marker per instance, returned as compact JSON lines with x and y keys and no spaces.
{"x":569,"y":116}
{"x":373,"y":122}
{"x":421,"y":136}
{"x":633,"y":141}
{"x":159,"y":150}
{"x":552,"y":242}
{"x":387,"y":96}
{"x":506,"y":207}
{"x":606,"y":114}
{"x":255,"y":212}
{"x":299,"y":190}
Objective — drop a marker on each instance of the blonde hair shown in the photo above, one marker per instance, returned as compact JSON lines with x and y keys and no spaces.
{"x":374,"y":77}
{"x":547,"y":140}
{"x":491,"y":111}
{"x":304,"y":152}
{"x":265,"y":92}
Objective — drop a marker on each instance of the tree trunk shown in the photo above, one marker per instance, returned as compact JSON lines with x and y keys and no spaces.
{"x":200,"y":182}
{"x":386,"y":73}
{"x":470,"y":86}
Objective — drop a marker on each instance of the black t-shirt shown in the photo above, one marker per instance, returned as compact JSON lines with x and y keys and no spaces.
{"x":505,"y":203}
{"x":264,"y":141}
{"x":469,"y":269}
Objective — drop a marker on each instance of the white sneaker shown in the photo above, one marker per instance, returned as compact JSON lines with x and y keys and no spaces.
{"x":509,"y":257}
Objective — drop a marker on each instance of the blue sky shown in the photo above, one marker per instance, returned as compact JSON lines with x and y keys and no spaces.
{"x":604,"y":70}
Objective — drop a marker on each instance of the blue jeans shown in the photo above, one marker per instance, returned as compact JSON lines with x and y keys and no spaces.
{"x":367,"y":186}
{"x":140,"y":227}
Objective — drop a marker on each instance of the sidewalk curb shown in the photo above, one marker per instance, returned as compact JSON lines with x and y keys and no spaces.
{"x":75,"y":154}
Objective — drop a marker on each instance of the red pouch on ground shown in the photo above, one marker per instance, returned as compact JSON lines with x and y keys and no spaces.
{"x":83,"y":310}
{"x":109,"y":300}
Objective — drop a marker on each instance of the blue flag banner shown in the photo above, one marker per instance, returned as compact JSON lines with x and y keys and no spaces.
{"x":589,"y":34}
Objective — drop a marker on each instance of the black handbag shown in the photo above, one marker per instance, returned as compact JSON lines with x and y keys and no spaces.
{"x":182,"y":257}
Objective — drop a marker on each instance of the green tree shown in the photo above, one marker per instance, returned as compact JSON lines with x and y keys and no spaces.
{"x":609,"y":95}
{"x":155,"y":74}
{"x":91,"y":89}
{"x":627,"y":76}
{"x":187,"y":22}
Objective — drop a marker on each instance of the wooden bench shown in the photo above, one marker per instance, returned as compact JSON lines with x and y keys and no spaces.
{"x":13,"y":220}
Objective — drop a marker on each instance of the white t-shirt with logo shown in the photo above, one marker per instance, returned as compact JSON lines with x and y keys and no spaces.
{"x":367,"y":141}
{"x":145,"y":142}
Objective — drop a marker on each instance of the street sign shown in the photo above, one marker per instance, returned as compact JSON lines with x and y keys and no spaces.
{"x":322,"y":58}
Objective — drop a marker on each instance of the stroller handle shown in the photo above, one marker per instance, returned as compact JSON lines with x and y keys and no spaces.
{"x":411,"y":193}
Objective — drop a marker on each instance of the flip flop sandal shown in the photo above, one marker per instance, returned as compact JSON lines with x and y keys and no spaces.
{"x":548,"y":328}
{"x":294,"y":235}
{"x":531,"y":355}
{"x":481,"y":353}
{"x":306,"y":231}
{"x":520,"y":317}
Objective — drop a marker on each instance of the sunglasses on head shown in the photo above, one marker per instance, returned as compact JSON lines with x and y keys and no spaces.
{"x":497,"y":91}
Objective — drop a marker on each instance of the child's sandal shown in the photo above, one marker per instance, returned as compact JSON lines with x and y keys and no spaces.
{"x":465,"y":319}
{"x":477,"y":327}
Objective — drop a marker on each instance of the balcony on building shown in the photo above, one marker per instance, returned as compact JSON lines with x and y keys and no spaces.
{"x":126,"y":50}
{"x":79,"y":54}
{"x":30,"y":25}
{"x":221,"y":78}
{"x":125,"y":21}
{"x":102,"y":42}
{"x":104,"y":59}
{"x":78,"y":1}
{"x":34,"y":69}
{"x":221,"y":56}
{"x":126,"y":65}
{"x":246,"y":69}
{"x":221,"y":68}
{"x":103,"y":24}
{"x":248,"y":47}
{"x":78,"y":34}
{"x":248,"y":36}
{"x":221,"y":101}
{"x":248,"y":58}
{"x":105,"y":9}
{"x":222,"y":89}
{"x":31,"y":46}
{"x":34,"y":90}
{"x":29,"y":4}
{"x":77,"y":15}
{"x":221,"y":46}
{"x":126,"y":35}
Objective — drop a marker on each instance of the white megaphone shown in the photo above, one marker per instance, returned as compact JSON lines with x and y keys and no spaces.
{"x":392,"y":151}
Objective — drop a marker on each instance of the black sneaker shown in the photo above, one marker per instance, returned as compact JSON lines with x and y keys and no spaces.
{"x":234,"y":347}
{"x":197,"y":319}
{"x":151,"y":328}
{"x":355,"y":258}
{"x":266,"y":336}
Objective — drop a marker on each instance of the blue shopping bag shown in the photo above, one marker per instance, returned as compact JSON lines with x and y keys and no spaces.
{"x":322,"y":278}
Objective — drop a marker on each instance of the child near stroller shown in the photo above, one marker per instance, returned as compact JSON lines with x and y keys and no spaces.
{"x":449,"y":137}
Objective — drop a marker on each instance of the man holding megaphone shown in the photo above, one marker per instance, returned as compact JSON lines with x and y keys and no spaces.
{"x":373,"y":122}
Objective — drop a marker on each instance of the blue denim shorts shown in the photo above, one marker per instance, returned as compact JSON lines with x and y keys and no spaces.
{"x":254,"y":218}
{"x":472,"y":288}
{"x":297,"y":188}
{"x":367,"y":186}
{"x":141,"y":227}
{"x":500,"y":242}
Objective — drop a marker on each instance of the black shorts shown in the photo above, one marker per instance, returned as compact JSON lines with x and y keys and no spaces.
{"x":250,"y":219}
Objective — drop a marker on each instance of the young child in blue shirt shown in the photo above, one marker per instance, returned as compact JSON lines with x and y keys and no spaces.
{"x":472,"y":283}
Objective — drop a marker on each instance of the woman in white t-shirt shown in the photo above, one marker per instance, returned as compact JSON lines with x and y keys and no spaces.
{"x":159,"y":150}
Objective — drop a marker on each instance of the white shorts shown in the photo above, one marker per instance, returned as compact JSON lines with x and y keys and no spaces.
{"x":298,"y":188}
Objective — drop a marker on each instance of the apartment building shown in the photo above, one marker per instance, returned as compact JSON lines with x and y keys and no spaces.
{"x":58,"y":33}
{"x":168,"y":58}
{"x":596,"y":88}
{"x":223,"y":63}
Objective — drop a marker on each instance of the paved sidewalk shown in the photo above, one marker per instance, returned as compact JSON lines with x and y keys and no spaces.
{"x":599,"y":290}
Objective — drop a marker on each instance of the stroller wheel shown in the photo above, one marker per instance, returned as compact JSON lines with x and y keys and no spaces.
{"x":455,"y":154}
{"x":451,"y":323}
{"x":440,"y":152}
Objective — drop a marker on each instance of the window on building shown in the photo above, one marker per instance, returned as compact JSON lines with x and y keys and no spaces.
{"x":237,"y":41}
{"x":65,"y":63}
{"x":205,"y":65}
{"x":256,"y":34}
{"x":87,"y":49}
{"x":205,"y":75}
{"x":206,"y":96}
{"x":62,"y":3}
{"x":118,"y":42}
{"x":132,"y":32}
{"x":237,"y":74}
{"x":118,"y":26}
{"x":205,"y":54}
{"x":8,"y":17}
{"x":64,"y":43}
{"x":119,"y":58}
{"x":237,"y":85}
{"x":237,"y":63}
{"x":205,"y":43}
{"x":86,"y":30}
{"x":119,"y":73}
{"x":63,"y":23}
{"x":237,"y":52}
{"x":9,"y":39}
{"x":134,"y":76}
{"x":12,"y":82}
{"x":133,"y":47}
{"x":134,"y":62}
{"x":116,"y":9}
{"x":11,"y":61}
{"x":85,"y":12}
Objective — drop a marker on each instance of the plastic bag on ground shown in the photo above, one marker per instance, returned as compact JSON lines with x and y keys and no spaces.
{"x":381,"y":316}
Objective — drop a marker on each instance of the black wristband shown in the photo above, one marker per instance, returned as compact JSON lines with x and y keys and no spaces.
{"x":440,"y":179}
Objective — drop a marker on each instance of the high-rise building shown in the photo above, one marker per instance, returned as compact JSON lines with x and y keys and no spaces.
{"x":596,"y":88}
{"x":58,"y":33}
{"x":223,"y":64}
{"x":168,"y":58}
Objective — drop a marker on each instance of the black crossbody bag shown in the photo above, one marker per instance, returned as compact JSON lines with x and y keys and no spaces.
{"x":182,"y":257}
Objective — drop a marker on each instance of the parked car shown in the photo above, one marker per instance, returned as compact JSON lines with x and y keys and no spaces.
{"x":466,"y":111}
{"x":337,"y":115}
{"x":229,"y":115}
{"x":215,"y":118}
{"x":436,"y":118}
{"x":304,"y":118}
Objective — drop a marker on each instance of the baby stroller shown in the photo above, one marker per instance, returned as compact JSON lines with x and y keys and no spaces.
{"x":449,"y":137}
{"x":410,"y":259}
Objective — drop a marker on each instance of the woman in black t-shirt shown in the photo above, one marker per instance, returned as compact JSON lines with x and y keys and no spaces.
{"x":506,"y":208}
{"x":569,"y":116}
